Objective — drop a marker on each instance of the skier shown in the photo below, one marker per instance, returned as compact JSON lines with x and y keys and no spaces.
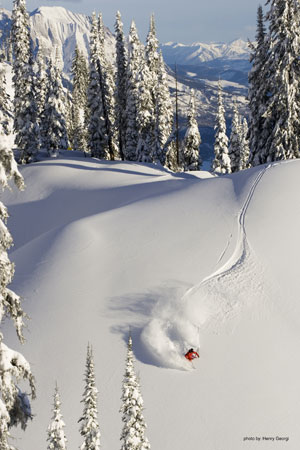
{"x":191,"y":354}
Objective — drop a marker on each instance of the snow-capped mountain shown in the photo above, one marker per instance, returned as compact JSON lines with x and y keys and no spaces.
{"x":58,"y":30}
{"x":198,"y":52}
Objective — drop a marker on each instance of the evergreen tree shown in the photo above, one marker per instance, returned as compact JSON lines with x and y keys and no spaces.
{"x":133,"y":433}
{"x":69,"y":116}
{"x":41,"y":82}
{"x":79,"y":101}
{"x":173,"y":159}
{"x":40,"y":93}
{"x":235,"y":141}
{"x":14,"y":404}
{"x":151,"y":52}
{"x":5,"y":107}
{"x":259,"y":87}
{"x":107,"y":84}
{"x":149,"y":90}
{"x":97,"y":141}
{"x":192,"y":139}
{"x":164,"y":114}
{"x":221,"y":163}
{"x":110,"y":108}
{"x":89,"y":427}
{"x":55,"y":112}
{"x":25,"y":109}
{"x":121,"y":62}
{"x":56,"y":435}
{"x":132,"y":93}
{"x":145,"y":113}
{"x":284,"y":66}
{"x":245,"y":149}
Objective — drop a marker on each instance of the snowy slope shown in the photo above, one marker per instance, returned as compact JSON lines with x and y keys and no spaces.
{"x":184,"y":261}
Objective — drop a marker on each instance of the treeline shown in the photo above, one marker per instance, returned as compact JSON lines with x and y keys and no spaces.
{"x":124,"y":111}
{"x":134,"y":426}
{"x":116,"y":111}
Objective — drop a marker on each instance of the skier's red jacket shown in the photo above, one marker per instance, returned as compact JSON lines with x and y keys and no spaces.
{"x":191,"y":354}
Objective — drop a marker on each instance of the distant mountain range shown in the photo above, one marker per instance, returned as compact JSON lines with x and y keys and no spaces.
{"x":199,"y":65}
{"x":197,"y":53}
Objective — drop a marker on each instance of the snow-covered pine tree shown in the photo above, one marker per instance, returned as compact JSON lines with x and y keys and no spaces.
{"x":121,"y":63}
{"x":107,"y":84}
{"x":145,"y":114}
{"x":14,"y":404}
{"x":221,"y":163}
{"x":6,"y":116}
{"x":153,"y":62}
{"x":110,"y":108}
{"x":173,"y":157}
{"x":133,"y":433}
{"x":79,"y":101}
{"x":283,"y":63}
{"x":192,"y":139}
{"x":56,"y":435}
{"x":97,"y":138}
{"x":25,"y":108}
{"x":89,"y":428}
{"x":151,"y":52}
{"x":69,"y":118}
{"x":55,"y":112}
{"x":259,"y":87}
{"x":235,"y":140}
{"x":164,"y":114}
{"x":40,"y":93}
{"x":245,"y":150}
{"x":132,"y":93}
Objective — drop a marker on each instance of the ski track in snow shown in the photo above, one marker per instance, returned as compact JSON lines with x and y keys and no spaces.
{"x":176,"y":325}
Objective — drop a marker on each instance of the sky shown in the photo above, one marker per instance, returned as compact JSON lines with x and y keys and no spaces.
{"x":185,"y":21}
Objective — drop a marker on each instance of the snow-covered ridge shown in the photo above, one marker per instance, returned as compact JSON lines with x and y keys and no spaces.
{"x":193,"y":54}
{"x":182,"y":260}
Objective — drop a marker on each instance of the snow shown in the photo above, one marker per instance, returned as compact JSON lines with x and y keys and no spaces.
{"x":185,"y":260}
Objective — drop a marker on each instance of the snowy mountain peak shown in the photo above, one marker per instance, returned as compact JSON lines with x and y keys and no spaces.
{"x":55,"y":27}
{"x":61,"y":15}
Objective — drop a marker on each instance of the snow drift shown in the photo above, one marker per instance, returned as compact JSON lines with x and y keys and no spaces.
{"x":183,"y":260}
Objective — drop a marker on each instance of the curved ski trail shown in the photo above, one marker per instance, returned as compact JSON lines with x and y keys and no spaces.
{"x":217,"y":298}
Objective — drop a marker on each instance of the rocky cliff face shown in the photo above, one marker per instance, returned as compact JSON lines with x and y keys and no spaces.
{"x":57,"y":29}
